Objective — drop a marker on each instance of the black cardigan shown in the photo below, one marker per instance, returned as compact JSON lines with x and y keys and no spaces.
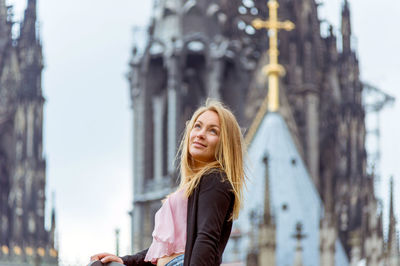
{"x":208,"y":223}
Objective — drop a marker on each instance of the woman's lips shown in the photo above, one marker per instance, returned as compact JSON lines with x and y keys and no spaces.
{"x":198,"y":144}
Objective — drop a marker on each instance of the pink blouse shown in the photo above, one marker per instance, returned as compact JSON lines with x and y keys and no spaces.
{"x":169,"y":235}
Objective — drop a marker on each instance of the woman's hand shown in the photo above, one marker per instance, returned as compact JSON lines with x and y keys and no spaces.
{"x":106,"y":257}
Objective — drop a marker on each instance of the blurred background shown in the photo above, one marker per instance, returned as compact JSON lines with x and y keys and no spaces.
{"x":100,"y":56}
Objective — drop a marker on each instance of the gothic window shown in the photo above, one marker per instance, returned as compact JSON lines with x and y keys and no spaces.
{"x":30,"y":128}
{"x":196,"y":46}
{"x":156,"y":81}
{"x":165,"y":141}
{"x":31,"y":223}
{"x":194,"y":77}
{"x":156,"y":49}
{"x":4,"y":227}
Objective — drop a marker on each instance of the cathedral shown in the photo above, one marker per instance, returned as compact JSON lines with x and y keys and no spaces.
{"x":200,"y":49}
{"x":24,"y":240}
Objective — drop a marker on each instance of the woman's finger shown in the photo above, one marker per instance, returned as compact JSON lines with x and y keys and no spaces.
{"x":111,"y":258}
{"x":99,"y":256}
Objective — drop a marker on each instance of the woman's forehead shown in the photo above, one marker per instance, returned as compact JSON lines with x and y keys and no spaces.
{"x":209,"y":117}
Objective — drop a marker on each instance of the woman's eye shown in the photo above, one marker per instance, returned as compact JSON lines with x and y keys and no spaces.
{"x":197,"y":125}
{"x":214,"y":131}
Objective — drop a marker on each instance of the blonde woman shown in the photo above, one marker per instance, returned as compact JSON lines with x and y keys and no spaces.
{"x":194,"y":223}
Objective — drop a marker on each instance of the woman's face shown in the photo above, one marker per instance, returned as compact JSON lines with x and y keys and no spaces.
{"x":204,"y":137}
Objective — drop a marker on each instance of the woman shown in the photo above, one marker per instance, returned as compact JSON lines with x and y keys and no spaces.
{"x":194,"y":223}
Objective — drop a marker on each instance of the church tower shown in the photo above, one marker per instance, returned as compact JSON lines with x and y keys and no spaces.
{"x":192,"y":53}
{"x":24,"y":239}
{"x":200,"y":49}
{"x":8,"y":84}
{"x":29,"y":176}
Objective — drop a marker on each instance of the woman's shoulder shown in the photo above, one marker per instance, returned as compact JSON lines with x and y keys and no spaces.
{"x":216,"y":173}
{"x":215,"y":176}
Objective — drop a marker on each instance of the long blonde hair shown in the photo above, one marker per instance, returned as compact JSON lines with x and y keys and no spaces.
{"x":228,"y":154}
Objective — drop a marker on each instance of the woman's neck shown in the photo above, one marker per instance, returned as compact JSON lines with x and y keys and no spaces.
{"x":199,"y":164}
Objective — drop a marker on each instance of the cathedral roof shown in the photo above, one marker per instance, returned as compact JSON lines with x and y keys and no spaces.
{"x":294,"y":197}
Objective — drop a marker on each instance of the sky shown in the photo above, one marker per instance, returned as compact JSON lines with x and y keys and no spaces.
{"x":88,"y":128}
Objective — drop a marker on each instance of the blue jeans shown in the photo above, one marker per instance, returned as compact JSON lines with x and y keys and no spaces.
{"x":177,"y":261}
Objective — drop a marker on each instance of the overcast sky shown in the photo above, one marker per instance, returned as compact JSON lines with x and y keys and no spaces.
{"x":88,"y":128}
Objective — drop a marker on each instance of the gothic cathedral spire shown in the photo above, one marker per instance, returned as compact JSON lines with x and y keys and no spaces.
{"x":346,"y":28}
{"x":28,"y":26}
{"x":23,"y":236}
{"x":30,"y":53}
{"x":267,"y":230}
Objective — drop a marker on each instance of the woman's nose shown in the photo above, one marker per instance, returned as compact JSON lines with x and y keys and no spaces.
{"x":201,"y":134}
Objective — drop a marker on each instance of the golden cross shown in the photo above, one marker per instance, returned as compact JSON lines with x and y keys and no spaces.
{"x":273,"y":69}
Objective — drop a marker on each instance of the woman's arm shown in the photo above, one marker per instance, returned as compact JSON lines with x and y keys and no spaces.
{"x":214,"y":201}
{"x":137,"y":259}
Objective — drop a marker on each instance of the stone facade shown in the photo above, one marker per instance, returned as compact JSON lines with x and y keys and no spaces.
{"x":24,"y":240}
{"x":200,"y":49}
